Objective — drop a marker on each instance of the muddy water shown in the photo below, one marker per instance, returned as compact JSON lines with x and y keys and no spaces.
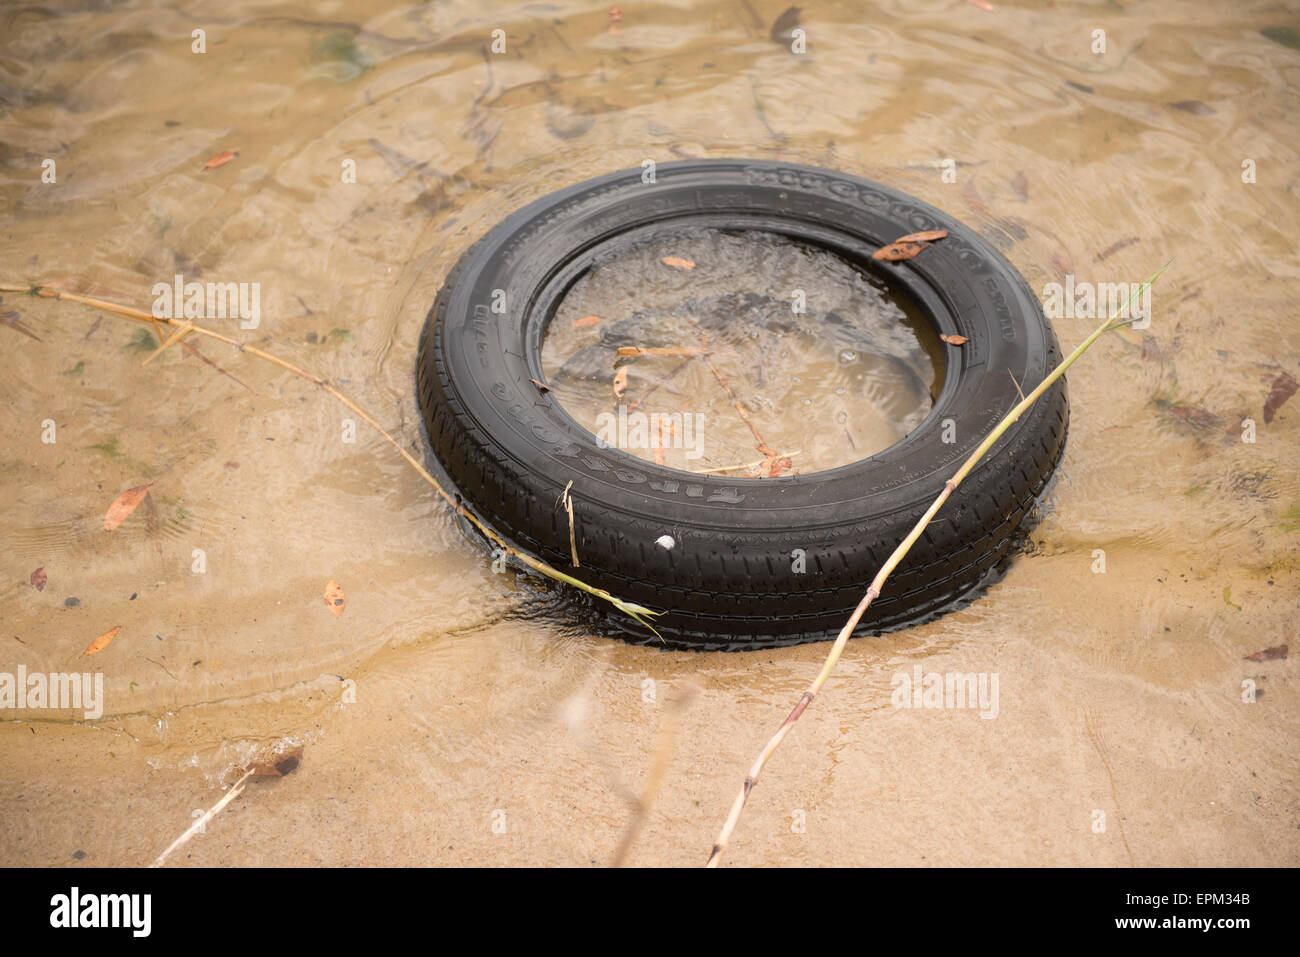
{"x":444,"y":717}
{"x":726,"y":324}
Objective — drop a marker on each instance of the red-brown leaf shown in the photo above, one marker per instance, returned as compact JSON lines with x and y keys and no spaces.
{"x":39,"y":579}
{"x":221,"y":159}
{"x":102,"y":642}
{"x":954,"y":340}
{"x":897,"y":252}
{"x":926,"y":236}
{"x":1268,"y":654}
{"x":335,"y":600}
{"x":124,"y":505}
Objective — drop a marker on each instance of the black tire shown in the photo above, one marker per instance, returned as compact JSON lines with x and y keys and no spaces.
{"x":730,"y":581}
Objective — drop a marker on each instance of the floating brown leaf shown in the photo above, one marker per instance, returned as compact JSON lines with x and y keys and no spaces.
{"x":620,"y":381}
{"x":955,"y":340}
{"x":39,"y":579}
{"x":278,"y":766}
{"x":629,"y":351}
{"x":335,"y":600}
{"x":1269,"y":654}
{"x":124,"y":505}
{"x":677,"y":262}
{"x":221,"y":159}
{"x":585,"y":321}
{"x":1284,"y":386}
{"x":102,"y":642}
{"x":897,"y":252}
{"x":926,"y":236}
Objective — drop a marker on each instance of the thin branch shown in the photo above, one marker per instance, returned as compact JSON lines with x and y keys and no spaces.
{"x":746,"y":465}
{"x":873,"y":592}
{"x":199,"y":825}
{"x":638,"y":612}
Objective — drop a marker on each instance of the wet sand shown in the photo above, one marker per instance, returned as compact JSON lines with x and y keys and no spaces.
{"x":445,"y":717}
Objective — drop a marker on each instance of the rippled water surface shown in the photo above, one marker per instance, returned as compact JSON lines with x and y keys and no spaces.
{"x":658,"y":351}
{"x":444,"y":699}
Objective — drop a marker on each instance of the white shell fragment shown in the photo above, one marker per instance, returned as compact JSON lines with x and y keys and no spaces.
{"x":665,"y":541}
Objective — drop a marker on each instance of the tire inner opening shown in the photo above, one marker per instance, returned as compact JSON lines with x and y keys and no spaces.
{"x":740,"y":353}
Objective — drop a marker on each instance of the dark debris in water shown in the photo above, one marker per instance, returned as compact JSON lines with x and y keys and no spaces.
{"x":1287,"y":36}
{"x":1187,"y":413}
{"x":1194,"y":107}
{"x":1283,"y":387}
{"x":278,"y":766}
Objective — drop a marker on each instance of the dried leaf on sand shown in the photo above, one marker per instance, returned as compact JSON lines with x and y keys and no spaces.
{"x":102,"y":642}
{"x":124,"y":505}
{"x":335,"y":600}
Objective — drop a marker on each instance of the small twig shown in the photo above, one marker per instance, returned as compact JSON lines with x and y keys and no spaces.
{"x":626,"y":352}
{"x":873,"y":592}
{"x":747,"y":465}
{"x":235,"y":790}
{"x":176,"y":336}
{"x":760,"y":445}
{"x":567,"y":500}
{"x":650,"y":391}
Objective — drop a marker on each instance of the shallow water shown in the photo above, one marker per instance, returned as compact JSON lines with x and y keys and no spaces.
{"x":826,"y":366}
{"x":443,"y":701}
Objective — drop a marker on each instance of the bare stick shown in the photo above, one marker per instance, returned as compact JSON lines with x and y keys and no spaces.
{"x":760,"y":445}
{"x":567,"y":499}
{"x":235,"y":790}
{"x":176,"y":336}
{"x":724,"y":836}
{"x":746,"y":465}
{"x":638,"y":612}
{"x":648,"y":392}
